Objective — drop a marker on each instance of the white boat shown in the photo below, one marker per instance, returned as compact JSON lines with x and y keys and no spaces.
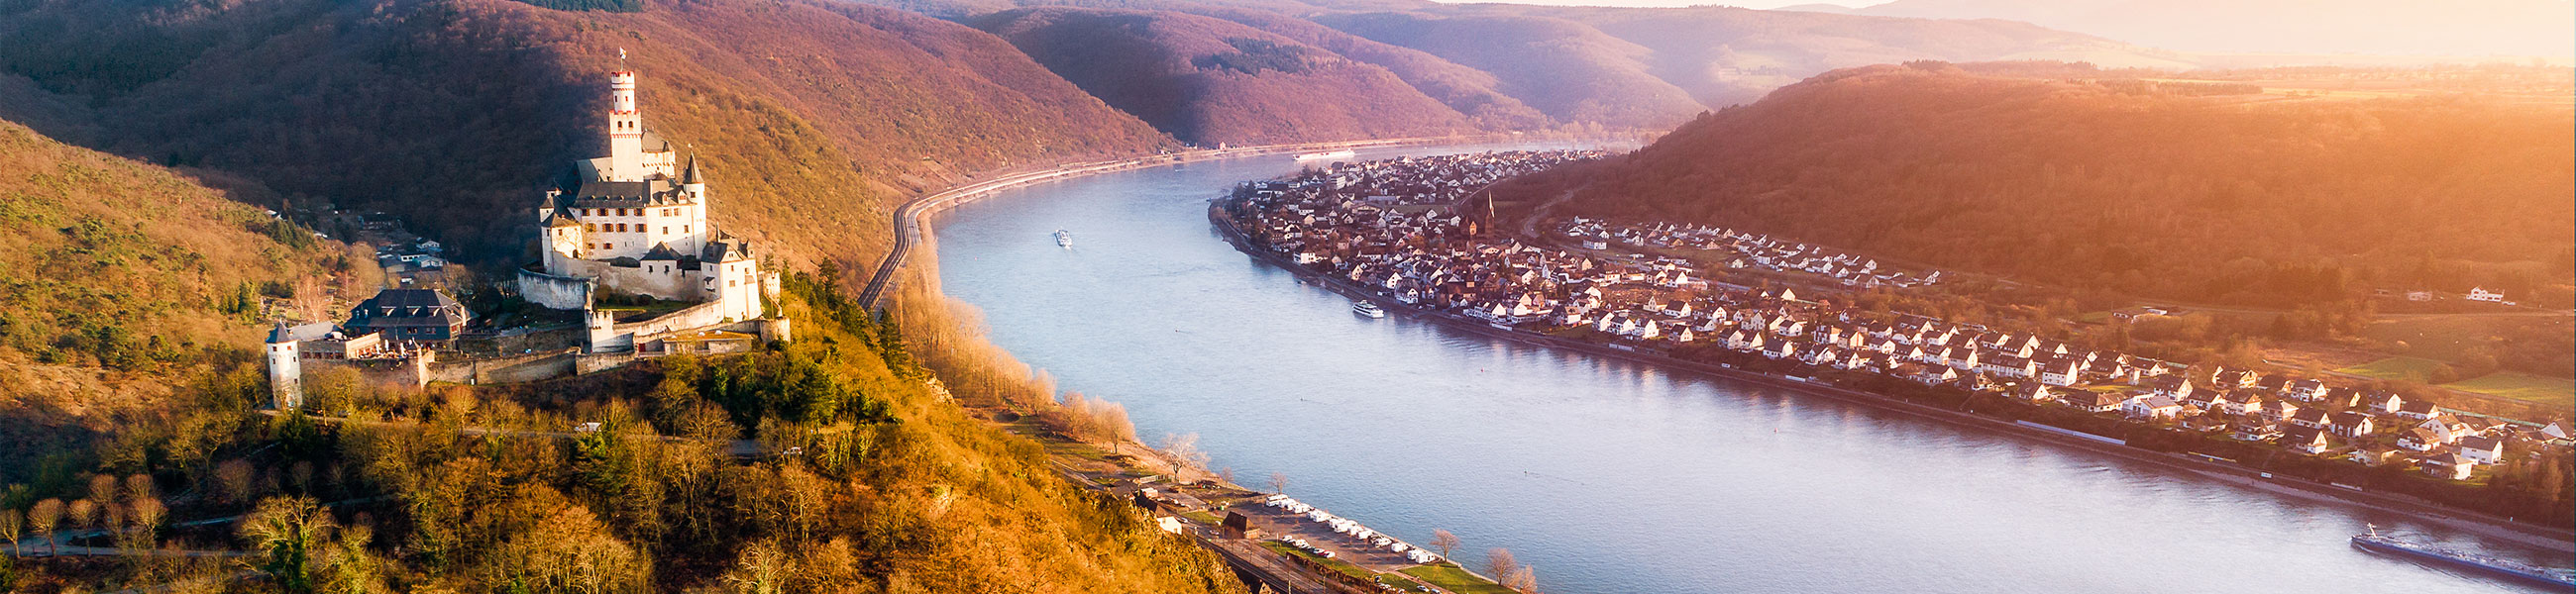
{"x":1064,"y":238}
{"x":1340,"y":154}
{"x":1367,"y":309}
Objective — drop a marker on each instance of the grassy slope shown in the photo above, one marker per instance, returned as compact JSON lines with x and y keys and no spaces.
{"x":2552,"y":391}
{"x":115,"y":276}
{"x":1208,"y":80}
{"x":453,"y":111}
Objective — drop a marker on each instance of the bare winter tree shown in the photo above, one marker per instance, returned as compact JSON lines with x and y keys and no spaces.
{"x":42,"y":518}
{"x":1524,"y":579}
{"x":1184,"y":451}
{"x":1499,"y":563}
{"x":1278,"y":482}
{"x":12,"y":526}
{"x":1445,"y":541}
{"x":81,"y":512}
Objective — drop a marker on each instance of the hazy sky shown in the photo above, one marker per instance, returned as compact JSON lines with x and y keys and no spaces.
{"x":1743,"y":3}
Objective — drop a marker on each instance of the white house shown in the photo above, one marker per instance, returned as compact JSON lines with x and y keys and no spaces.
{"x":2482,"y":450}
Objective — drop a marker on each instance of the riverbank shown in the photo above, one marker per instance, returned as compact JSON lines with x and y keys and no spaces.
{"x":909,"y":218}
{"x":2550,"y":538}
{"x":1129,"y":466}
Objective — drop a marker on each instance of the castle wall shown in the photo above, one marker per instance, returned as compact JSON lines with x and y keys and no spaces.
{"x":502,"y":370}
{"x":660,"y":279}
{"x":692,"y":317}
{"x":589,"y":363}
{"x":552,"y":291}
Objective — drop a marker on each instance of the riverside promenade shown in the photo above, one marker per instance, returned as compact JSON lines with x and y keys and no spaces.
{"x":2557,"y":539}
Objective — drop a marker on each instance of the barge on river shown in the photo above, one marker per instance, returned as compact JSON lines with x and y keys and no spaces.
{"x":2375,"y":542}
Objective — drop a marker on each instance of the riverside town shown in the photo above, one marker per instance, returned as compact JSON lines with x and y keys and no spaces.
{"x":1413,"y":235}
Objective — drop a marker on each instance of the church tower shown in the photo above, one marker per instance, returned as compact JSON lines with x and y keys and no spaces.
{"x":625,"y":130}
{"x":285,"y":370}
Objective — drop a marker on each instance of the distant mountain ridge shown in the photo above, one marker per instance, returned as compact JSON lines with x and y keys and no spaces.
{"x":1210,"y":81}
{"x":1511,"y":66}
{"x":2398,"y":27}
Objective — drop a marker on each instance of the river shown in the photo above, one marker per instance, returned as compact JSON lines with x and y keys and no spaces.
{"x":1606,"y":476}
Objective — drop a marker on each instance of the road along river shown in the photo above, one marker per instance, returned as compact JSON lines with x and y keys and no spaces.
{"x":1606,"y":475}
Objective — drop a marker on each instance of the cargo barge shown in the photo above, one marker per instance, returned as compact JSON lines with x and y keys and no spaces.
{"x":2374,"y":542}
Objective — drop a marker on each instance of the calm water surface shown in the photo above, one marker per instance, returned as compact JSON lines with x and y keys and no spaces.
{"x":1607,"y":476}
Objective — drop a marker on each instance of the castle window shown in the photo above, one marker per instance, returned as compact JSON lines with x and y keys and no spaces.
{"x":666,"y":230}
{"x":591,"y":227}
{"x":608,"y":246}
{"x":684,"y":228}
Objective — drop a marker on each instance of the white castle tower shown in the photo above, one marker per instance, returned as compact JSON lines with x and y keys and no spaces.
{"x":285,"y":370}
{"x":638,"y":225}
{"x":625,"y":130}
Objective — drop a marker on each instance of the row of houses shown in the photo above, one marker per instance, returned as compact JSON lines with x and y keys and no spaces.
{"x":1744,"y":251}
{"x":1440,"y":179}
{"x":1431,"y":257}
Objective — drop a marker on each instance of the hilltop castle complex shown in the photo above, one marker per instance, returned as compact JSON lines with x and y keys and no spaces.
{"x":636,"y":229}
{"x":637,"y":226}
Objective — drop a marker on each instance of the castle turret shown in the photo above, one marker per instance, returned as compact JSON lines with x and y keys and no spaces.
{"x":694,"y":181}
{"x":625,"y":130}
{"x":285,"y":370}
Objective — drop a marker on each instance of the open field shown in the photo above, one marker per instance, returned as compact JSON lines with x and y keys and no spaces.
{"x":2395,"y":368}
{"x":2521,"y":386}
{"x":1453,"y":579}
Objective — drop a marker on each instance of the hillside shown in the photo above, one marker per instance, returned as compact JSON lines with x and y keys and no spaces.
{"x":450,"y":111}
{"x":1209,"y":81}
{"x":890,"y":486}
{"x":116,"y":276}
{"x":1566,"y":70}
{"x":2249,"y":199}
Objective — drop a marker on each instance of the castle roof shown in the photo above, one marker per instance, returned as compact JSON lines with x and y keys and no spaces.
{"x":725,"y":248}
{"x":598,"y":192}
{"x":693,"y":176}
{"x":661,"y":251}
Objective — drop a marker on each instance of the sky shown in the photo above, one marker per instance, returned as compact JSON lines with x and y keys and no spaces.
{"x":1670,"y":3}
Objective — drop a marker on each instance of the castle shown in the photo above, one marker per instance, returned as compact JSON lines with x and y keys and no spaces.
{"x":637,"y":225}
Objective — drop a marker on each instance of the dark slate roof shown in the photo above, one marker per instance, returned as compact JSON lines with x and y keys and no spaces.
{"x":312,"y":331}
{"x":407,"y":307}
{"x":602,"y":193}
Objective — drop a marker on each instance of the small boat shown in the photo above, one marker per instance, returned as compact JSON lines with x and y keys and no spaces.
{"x":2374,"y":542}
{"x":1367,"y":309}
{"x":1064,"y":238}
{"x":1317,"y":156}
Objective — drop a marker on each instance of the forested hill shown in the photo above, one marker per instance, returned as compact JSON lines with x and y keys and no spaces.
{"x":814,"y":117}
{"x":1208,"y":80}
{"x":116,"y":274}
{"x":2254,"y":199}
